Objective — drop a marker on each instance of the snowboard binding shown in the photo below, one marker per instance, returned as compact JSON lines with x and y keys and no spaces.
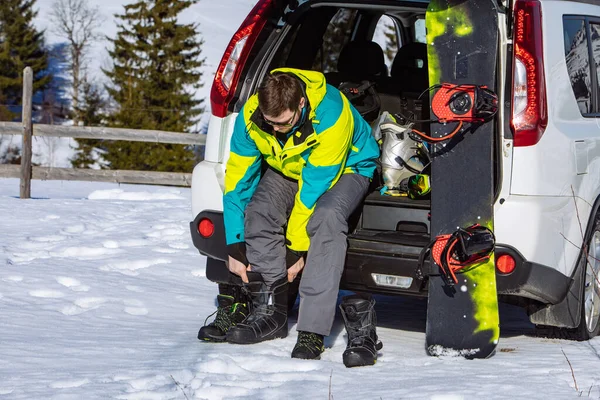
{"x":466,"y":103}
{"x":453,"y":252}
{"x":458,"y":103}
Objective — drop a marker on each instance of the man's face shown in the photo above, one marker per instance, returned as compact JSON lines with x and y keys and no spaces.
{"x":285,"y":121}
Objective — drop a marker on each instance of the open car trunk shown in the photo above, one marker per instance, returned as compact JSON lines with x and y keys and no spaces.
{"x":383,"y":43}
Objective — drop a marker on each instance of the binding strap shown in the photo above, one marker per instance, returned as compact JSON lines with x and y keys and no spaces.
{"x":453,"y":252}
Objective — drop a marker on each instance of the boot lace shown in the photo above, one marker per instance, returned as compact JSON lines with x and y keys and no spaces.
{"x":223,"y":319}
{"x":227,"y":317}
{"x":358,"y":334}
{"x":310,"y":340}
{"x":257,"y":308}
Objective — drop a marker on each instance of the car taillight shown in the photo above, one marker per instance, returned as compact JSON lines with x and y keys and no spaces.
{"x":505,"y":264}
{"x":529,"y":110}
{"x":235,"y":57}
{"x":206,"y":228}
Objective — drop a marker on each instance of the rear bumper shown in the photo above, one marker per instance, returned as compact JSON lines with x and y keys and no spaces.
{"x":367,"y":257}
{"x":531,"y":280}
{"x":214,"y":246}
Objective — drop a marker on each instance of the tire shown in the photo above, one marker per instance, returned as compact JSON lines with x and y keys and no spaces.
{"x":589,"y":325}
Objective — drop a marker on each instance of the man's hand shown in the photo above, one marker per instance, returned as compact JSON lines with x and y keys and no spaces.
{"x":295,"y":269}
{"x":238,"y":268}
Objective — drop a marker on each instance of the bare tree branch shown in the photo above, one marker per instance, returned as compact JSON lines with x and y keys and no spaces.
{"x":77,"y":22}
{"x":572,"y":372}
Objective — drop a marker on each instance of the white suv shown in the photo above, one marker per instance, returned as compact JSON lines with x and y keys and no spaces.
{"x":547,"y":178}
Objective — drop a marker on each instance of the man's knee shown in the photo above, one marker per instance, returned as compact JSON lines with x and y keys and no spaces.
{"x":256,"y":206}
{"x":328,"y":216}
{"x":259,"y":216}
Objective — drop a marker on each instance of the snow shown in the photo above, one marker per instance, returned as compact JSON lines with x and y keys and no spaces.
{"x":102,"y":294}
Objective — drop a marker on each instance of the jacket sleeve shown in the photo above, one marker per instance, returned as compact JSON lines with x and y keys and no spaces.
{"x":241,"y":178}
{"x":323,"y":169}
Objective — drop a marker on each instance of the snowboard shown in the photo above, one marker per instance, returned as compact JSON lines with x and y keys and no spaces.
{"x":462,"y":46}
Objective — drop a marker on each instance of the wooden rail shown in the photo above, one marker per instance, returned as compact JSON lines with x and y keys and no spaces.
{"x":26,"y":172}
{"x":88,"y":132}
{"x":101,"y":175}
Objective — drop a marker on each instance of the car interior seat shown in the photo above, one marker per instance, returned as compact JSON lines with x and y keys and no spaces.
{"x":410,"y":68}
{"x":359,"y":60}
{"x":405,"y":92}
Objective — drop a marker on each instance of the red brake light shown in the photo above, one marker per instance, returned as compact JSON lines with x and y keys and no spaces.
{"x":529,"y":111}
{"x":235,"y":57}
{"x":206,"y":228}
{"x":505,"y":264}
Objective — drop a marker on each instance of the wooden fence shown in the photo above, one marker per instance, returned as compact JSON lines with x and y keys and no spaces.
{"x":26,"y":172}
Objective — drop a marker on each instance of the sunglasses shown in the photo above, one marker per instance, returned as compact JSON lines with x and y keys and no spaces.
{"x":282,"y":124}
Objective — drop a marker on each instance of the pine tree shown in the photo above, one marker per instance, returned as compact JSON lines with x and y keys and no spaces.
{"x":334,"y":40}
{"x":90,"y":113}
{"x":21,"y":45}
{"x":154,"y":76}
{"x":391,"y":41}
{"x":5,"y":113}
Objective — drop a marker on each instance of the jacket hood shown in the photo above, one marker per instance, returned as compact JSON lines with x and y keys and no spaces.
{"x":315,"y":86}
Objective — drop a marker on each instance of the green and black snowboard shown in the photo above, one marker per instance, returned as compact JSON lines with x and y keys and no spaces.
{"x":462,"y":43}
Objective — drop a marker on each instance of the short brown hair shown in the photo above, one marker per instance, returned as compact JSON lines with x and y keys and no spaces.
{"x":279,"y":92}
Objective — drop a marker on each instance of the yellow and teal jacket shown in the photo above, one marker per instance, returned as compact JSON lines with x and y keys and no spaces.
{"x":333,"y":140}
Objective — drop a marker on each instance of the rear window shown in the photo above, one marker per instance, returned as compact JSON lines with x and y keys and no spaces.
{"x":335,"y":38}
{"x":387,"y":35}
{"x":420,"y":31}
{"x":578,"y":62}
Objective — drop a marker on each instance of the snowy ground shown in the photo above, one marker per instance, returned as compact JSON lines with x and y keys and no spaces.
{"x":102,"y":294}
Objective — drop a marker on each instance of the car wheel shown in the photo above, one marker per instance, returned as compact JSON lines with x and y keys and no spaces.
{"x":589,"y":325}
{"x":590,"y":319}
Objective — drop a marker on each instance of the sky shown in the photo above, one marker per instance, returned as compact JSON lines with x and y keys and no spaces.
{"x":102,"y":294}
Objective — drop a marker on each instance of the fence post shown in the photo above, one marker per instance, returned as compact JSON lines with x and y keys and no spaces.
{"x":27,"y":133}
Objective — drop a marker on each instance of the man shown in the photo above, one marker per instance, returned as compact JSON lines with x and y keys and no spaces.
{"x":321,"y":156}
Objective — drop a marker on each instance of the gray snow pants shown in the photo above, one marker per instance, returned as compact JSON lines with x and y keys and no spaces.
{"x":265,"y":220}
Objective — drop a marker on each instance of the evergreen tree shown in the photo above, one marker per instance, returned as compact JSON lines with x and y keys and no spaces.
{"x":334,"y":39}
{"x":154,"y":76}
{"x":90,"y":113}
{"x":21,"y":45}
{"x":5,"y":113}
{"x":391,"y":41}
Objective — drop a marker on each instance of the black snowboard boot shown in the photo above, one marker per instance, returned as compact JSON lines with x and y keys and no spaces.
{"x":232,"y":309}
{"x":360,"y":319}
{"x":309,"y":346}
{"x":268,"y":314}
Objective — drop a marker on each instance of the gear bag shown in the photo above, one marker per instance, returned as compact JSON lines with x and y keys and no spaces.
{"x":363,"y":97}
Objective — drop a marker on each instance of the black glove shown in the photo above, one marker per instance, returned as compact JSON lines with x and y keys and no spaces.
{"x":292,"y":256}
{"x":238,"y":252}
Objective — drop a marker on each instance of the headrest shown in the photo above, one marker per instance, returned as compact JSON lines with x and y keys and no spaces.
{"x":360,"y":60}
{"x":408,"y":57}
{"x":406,"y":69}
